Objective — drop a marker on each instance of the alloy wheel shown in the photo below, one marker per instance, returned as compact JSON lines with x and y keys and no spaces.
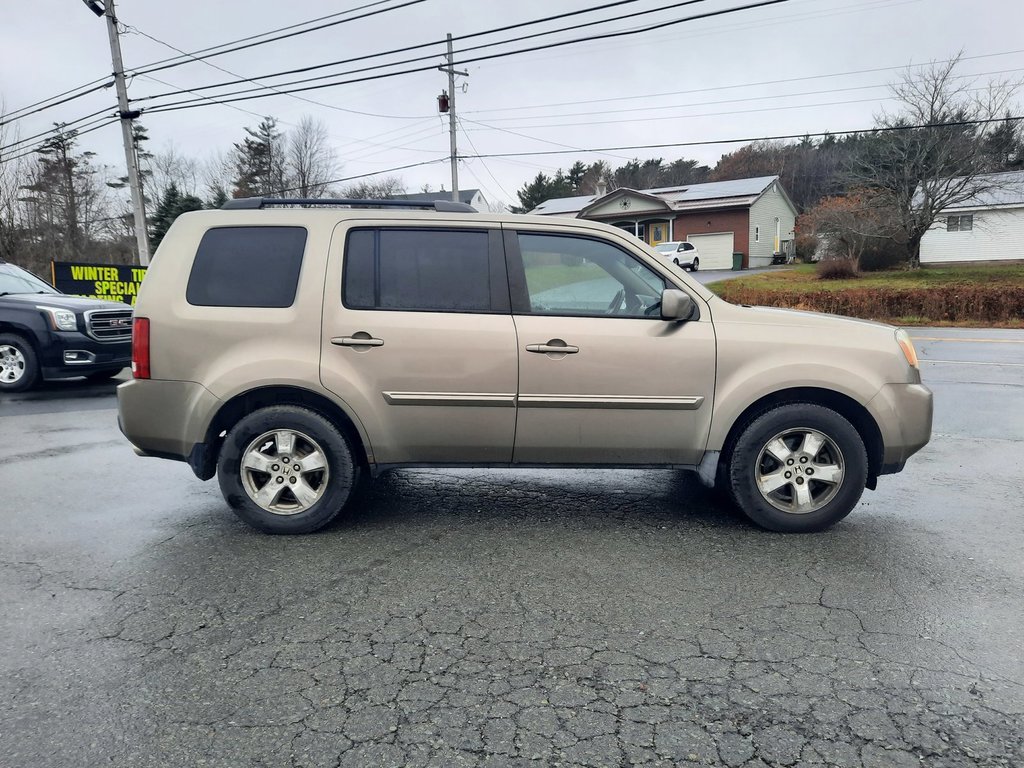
{"x":284,"y":471}
{"x":800,"y":470}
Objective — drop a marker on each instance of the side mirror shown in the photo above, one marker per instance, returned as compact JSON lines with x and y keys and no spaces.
{"x":676,"y":305}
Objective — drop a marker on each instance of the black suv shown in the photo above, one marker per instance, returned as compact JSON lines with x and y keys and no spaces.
{"x":47,"y":334}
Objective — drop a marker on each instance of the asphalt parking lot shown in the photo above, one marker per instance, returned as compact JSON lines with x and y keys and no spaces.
{"x":515,"y":618}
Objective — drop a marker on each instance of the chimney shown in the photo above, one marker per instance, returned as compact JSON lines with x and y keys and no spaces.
{"x":602,"y":188}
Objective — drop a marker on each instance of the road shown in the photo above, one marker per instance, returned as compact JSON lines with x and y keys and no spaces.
{"x":515,"y":618}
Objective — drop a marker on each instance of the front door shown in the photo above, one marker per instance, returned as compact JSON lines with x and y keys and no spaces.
{"x":602,"y":378}
{"x":418,"y":341}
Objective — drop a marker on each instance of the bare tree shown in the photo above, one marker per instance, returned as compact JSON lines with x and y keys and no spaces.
{"x":12,"y":177}
{"x":217,"y":172}
{"x":312,"y":161}
{"x":381,"y":189}
{"x":917,"y":172}
{"x":168,"y":167}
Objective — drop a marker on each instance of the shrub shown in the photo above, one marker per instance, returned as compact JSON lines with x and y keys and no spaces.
{"x":980,"y":302}
{"x":836,"y":269}
{"x":880,"y":255}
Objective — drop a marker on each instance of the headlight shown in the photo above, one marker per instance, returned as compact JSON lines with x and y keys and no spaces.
{"x":62,"y":319}
{"x":903,"y":339}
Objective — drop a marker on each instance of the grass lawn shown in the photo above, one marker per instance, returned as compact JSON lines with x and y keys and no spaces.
{"x":976,"y":295}
{"x":544,"y":278}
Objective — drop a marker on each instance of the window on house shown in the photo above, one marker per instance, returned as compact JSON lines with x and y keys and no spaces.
{"x":960,"y":223}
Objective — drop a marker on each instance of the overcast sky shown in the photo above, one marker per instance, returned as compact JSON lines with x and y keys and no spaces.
{"x":698,"y":81}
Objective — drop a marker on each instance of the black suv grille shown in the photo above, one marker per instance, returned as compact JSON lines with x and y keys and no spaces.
{"x":109,"y":325}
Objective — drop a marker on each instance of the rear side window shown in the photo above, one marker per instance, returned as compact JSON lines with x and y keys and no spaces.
{"x":432,"y":270}
{"x":247,"y":267}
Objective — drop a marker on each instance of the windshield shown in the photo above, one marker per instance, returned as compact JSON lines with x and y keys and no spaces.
{"x":666,"y":247}
{"x":17,"y":280}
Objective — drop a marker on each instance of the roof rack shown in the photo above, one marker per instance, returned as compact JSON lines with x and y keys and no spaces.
{"x":256,"y":203}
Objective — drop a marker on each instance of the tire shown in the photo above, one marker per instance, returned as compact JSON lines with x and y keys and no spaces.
{"x":103,"y":375}
{"x":19,"y":366}
{"x":695,"y":265}
{"x":810,"y":443}
{"x":272,"y":495}
{"x":676,"y":262}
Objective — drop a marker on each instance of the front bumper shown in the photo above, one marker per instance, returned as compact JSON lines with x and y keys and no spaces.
{"x":903,"y":413}
{"x":69,"y":353}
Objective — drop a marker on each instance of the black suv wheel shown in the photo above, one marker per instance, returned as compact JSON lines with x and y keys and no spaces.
{"x":19,"y":367}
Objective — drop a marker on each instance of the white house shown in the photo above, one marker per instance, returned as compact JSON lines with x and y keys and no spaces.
{"x":472,"y":197}
{"x":754,"y":217}
{"x":989,"y":227}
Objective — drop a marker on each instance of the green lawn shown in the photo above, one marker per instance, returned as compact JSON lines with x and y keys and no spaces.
{"x":554,"y":275}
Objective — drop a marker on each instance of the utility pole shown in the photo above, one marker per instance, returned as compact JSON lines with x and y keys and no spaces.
{"x":450,"y":69}
{"x":134,"y":177}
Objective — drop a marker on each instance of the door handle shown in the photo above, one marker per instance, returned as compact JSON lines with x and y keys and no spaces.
{"x":555,"y":346}
{"x":361,"y":339}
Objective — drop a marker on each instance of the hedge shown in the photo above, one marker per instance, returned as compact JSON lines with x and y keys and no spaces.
{"x":985,"y":303}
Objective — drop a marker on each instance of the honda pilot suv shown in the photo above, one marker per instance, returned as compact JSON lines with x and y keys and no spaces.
{"x":287,"y":348}
{"x":45,"y":334}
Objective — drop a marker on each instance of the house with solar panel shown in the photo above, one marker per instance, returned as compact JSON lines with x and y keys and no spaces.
{"x":751,"y":218}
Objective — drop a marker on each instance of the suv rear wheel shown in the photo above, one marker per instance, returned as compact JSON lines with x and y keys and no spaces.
{"x":798,"y":468}
{"x":286,"y":469}
{"x":19,"y":367}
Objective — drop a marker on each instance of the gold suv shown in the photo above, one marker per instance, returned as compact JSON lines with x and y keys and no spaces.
{"x":288,"y":348}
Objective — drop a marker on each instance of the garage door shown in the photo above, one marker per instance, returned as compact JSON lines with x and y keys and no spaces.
{"x":715,"y":250}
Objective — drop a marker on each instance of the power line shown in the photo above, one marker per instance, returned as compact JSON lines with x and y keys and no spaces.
{"x":9,"y":119}
{"x":751,"y":140}
{"x":729,"y":87}
{"x":527,"y":136}
{"x":58,"y":128}
{"x":368,"y":14}
{"x":418,"y":46}
{"x":690,"y":115}
{"x":471,"y":144}
{"x":106,"y":83}
{"x":187,"y":104}
{"x":364,"y":175}
{"x":78,"y":132}
{"x":254,"y":82}
{"x":262,"y":34}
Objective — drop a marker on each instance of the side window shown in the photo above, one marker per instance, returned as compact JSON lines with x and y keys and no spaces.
{"x":418,"y":269}
{"x":686,"y":247}
{"x":247,"y":267}
{"x":579,"y":276}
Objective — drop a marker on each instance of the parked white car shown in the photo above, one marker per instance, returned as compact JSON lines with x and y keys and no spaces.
{"x":682,"y":254}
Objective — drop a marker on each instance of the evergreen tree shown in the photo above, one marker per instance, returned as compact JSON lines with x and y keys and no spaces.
{"x":259,"y":161}
{"x":171,"y":206}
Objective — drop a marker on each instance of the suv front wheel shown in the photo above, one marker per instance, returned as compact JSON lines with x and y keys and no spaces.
{"x":19,"y":367}
{"x":286,"y":469}
{"x":798,"y":468}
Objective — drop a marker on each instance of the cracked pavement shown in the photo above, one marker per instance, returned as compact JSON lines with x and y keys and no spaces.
{"x":500,"y":618}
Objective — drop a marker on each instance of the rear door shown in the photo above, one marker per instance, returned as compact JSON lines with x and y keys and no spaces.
{"x":418,"y":340}
{"x":602,"y":378}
